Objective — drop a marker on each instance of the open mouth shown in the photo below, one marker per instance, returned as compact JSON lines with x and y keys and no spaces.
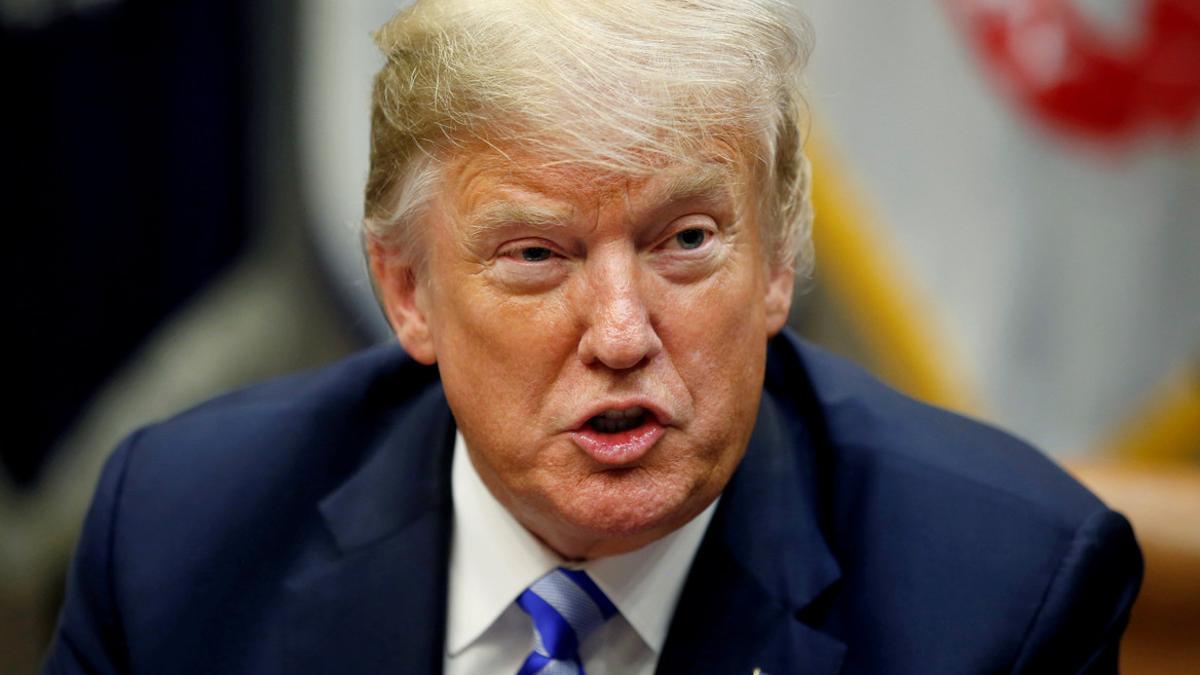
{"x":616,"y":421}
{"x":619,"y":436}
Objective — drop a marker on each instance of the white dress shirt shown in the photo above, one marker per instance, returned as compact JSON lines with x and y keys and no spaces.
{"x":493,"y":559}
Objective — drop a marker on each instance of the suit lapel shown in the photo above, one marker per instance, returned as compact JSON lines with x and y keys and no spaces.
{"x":377,"y":591}
{"x":754,"y":594}
{"x":727,"y":623}
{"x":375,"y":582}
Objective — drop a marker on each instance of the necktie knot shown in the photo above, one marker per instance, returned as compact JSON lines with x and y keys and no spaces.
{"x":565,"y":606}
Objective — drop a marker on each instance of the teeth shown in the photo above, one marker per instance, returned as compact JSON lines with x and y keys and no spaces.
{"x":614,"y":421}
{"x":628,"y":414}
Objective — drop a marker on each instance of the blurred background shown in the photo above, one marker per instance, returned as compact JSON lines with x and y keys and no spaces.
{"x":1008,"y":200}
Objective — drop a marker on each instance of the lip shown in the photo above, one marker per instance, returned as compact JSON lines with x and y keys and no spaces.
{"x":626,"y":447}
{"x":655,"y":411}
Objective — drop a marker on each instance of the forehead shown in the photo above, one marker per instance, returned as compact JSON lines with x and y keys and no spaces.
{"x":491,"y":179}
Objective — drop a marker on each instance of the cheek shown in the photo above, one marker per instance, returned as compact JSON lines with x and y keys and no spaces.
{"x":500,"y":353}
{"x":716,"y":326}
{"x":716,"y":336}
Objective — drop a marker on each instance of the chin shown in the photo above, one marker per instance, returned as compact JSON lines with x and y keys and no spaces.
{"x":627,"y":506}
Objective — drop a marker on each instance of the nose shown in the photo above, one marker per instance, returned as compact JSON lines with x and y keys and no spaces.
{"x":619,"y":332}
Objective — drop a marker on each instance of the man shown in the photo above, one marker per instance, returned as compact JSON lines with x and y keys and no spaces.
{"x":587,"y":216}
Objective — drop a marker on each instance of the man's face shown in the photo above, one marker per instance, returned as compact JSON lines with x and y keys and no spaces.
{"x":601,"y":339}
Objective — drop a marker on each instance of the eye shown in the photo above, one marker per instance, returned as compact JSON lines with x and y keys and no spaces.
{"x":691,"y":238}
{"x":535,"y":253}
{"x":528,"y":251}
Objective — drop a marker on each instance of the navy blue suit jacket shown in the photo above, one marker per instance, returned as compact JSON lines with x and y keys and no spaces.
{"x":302,"y":527}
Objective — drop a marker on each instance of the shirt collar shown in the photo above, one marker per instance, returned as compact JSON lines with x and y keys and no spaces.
{"x":643,"y":584}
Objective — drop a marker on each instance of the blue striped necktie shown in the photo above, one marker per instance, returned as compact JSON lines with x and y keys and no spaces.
{"x":565,"y":606}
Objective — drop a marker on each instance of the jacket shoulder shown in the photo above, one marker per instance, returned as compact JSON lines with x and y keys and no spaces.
{"x":258,"y":460}
{"x":198,"y":519}
{"x":946,"y":526}
{"x":285,"y":424}
{"x":874,"y":428}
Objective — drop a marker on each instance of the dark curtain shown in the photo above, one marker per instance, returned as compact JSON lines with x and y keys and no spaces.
{"x":125,"y":177}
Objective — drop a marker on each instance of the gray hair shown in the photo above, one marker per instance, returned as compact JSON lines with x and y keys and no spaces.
{"x":623,"y":85}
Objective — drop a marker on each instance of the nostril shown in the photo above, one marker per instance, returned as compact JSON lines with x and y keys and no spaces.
{"x":620,"y":334}
{"x":624,"y":349}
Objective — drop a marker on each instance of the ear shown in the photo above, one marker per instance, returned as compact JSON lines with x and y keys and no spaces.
{"x":404,"y":300}
{"x":780,"y":281}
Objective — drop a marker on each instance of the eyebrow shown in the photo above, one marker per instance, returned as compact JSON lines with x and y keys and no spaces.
{"x":711,"y":182}
{"x":498,"y":214}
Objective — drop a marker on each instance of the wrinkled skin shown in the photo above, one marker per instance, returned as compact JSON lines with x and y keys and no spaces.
{"x":552,"y":290}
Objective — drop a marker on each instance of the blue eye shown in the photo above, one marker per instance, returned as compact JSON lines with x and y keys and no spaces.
{"x":536,"y":254}
{"x":691,"y":238}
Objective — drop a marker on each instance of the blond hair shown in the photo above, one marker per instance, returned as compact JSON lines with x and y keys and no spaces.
{"x":624,"y":85}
